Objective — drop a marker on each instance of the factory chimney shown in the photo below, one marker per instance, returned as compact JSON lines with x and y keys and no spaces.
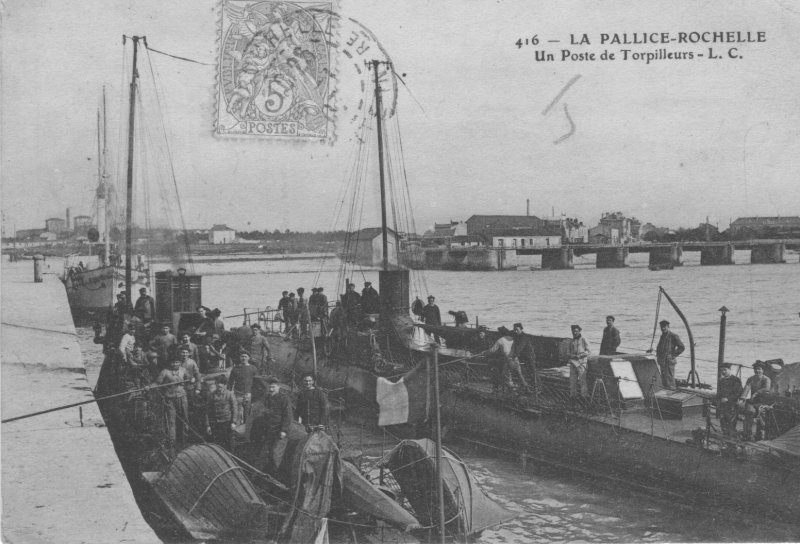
{"x":68,"y":227}
{"x":527,"y":206}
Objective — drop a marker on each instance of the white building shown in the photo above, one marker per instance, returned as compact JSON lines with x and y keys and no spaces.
{"x":221,"y":234}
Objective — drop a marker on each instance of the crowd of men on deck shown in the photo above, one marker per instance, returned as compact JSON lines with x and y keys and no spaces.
{"x":208,"y":386}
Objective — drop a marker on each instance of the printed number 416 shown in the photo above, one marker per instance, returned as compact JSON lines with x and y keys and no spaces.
{"x":527,"y":41}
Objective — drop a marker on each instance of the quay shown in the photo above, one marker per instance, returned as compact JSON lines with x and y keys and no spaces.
{"x":560,"y":257}
{"x":61,"y":479}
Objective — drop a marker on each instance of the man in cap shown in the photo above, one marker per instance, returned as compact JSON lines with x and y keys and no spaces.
{"x":430,"y":313}
{"x":351,"y":304}
{"x":611,"y":340}
{"x":754,"y":388}
{"x":578,"y":359}
{"x":145,"y":308}
{"x":667,"y":351}
{"x":282,"y":306}
{"x":176,"y":409}
{"x":370,"y":299}
{"x":192,"y":371}
{"x":186,"y":342}
{"x":504,"y":346}
{"x":303,"y":313}
{"x":164,"y":346}
{"x":728,"y":391}
{"x":241,"y":383}
{"x":521,"y":352}
{"x":221,"y":410}
{"x":312,"y":403}
{"x":269,"y":431}
{"x":260,"y":354}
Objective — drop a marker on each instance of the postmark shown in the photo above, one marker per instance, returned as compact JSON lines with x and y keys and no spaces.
{"x":274,"y":70}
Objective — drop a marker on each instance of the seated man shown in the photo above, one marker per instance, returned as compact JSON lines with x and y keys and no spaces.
{"x":755,"y":387}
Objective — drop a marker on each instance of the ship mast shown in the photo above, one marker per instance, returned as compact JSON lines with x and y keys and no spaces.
{"x":378,"y":109}
{"x":129,"y":203}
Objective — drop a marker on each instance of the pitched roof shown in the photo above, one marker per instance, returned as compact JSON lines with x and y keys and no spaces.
{"x":766,"y":221}
{"x":221,"y":227}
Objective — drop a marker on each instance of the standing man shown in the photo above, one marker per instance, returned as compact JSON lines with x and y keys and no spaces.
{"x":191,"y":369}
{"x":578,"y":358}
{"x":271,"y":430}
{"x":302,"y":311}
{"x":611,"y":340}
{"x":260,"y":355}
{"x":241,"y":383}
{"x":754,"y":388}
{"x":667,"y":351}
{"x":127,"y":342}
{"x":145,"y":308}
{"x":728,"y":392}
{"x":351,"y":303}
{"x":430,"y":313}
{"x":221,"y":410}
{"x":370,"y":299}
{"x":176,"y":409}
{"x":164,"y":346}
{"x":282,"y":305}
{"x":187,"y":343}
{"x":521,"y":352}
{"x":312,"y":404}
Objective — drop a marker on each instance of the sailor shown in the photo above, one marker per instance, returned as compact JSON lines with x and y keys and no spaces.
{"x":728,"y":392}
{"x":221,"y":411}
{"x":176,"y":409}
{"x":667,"y":351}
{"x":578,"y":358}
{"x":189,"y":345}
{"x":460,"y":317}
{"x":241,"y":383}
{"x":302,"y":311}
{"x":755,"y":388}
{"x":127,"y":342}
{"x":312,"y":404}
{"x":271,"y":430}
{"x":137,"y":373}
{"x":504,"y":345}
{"x":290,"y":314}
{"x":189,"y":365}
{"x":430,"y":313}
{"x":313,"y":305}
{"x":611,"y":340}
{"x":351,"y":304}
{"x":260,"y":354}
{"x":282,"y":305}
{"x":210,"y":358}
{"x":370,"y":299}
{"x":164,"y":346}
{"x":215,"y":316}
{"x":521,"y":352}
{"x":145,"y":308}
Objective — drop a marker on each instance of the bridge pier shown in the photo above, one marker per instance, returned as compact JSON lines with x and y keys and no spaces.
{"x":613,"y":257}
{"x":713,"y":255}
{"x":557,"y":259}
{"x":666,"y":255}
{"x":767,"y":254}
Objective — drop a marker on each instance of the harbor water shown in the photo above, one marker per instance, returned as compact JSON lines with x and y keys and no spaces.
{"x":554,"y":504}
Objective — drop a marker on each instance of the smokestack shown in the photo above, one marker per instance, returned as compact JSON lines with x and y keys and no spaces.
{"x":527,"y":206}
{"x":68,"y":227}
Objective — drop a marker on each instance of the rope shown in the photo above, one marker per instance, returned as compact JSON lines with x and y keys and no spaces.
{"x":176,"y":56}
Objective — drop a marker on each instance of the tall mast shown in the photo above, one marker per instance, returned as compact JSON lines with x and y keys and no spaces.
{"x":378,"y":108}
{"x":129,"y":207}
{"x":104,"y":184}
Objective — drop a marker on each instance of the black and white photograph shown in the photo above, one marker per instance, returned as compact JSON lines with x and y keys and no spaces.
{"x":356,"y":271}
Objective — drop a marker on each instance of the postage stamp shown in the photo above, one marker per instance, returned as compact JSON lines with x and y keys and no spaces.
{"x":275,"y":74}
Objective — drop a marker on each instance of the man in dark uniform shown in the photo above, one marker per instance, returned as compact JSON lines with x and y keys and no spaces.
{"x":522,"y":353}
{"x":282,"y":306}
{"x":351,"y":304}
{"x":370,"y":299}
{"x":430,"y":313}
{"x":667,"y":351}
{"x":611,"y":340}
{"x":754,"y":388}
{"x":728,"y":392}
{"x":145,"y":308}
{"x":269,"y":431}
{"x":312,"y":404}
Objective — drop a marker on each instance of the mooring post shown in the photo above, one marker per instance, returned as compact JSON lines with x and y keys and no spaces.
{"x":38,"y":266}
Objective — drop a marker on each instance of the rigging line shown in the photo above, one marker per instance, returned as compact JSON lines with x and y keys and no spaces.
{"x":391,"y":67}
{"x":148,"y":48}
{"x":189,"y":259}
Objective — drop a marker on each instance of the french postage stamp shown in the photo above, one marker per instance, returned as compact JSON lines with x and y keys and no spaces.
{"x":274,"y":74}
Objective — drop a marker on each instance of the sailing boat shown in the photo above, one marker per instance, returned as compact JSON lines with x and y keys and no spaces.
{"x":93,"y":280}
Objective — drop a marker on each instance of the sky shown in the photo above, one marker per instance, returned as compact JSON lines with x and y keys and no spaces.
{"x":484,"y":125}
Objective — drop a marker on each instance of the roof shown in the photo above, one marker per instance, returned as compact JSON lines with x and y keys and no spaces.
{"x":766,"y":221}
{"x":502,"y":221}
{"x":56,"y":219}
{"x":221,"y":227}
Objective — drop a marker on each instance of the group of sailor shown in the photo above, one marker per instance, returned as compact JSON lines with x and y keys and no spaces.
{"x":733,"y":399}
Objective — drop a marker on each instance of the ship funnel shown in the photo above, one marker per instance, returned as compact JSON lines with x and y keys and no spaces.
{"x":394,"y":291}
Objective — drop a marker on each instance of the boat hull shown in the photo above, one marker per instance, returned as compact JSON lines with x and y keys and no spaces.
{"x":91,"y":292}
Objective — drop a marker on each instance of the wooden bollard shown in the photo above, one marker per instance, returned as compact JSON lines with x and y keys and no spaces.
{"x":38,"y":266}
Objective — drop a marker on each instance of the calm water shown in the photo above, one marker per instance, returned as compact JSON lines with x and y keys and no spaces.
{"x":553,"y":506}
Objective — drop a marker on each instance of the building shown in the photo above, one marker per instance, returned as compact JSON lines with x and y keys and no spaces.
{"x":55,"y":224}
{"x":766,"y":227}
{"x":442,"y":233}
{"x":466,"y":240}
{"x":573,"y":231}
{"x":369,"y":246}
{"x":482,"y":225}
{"x":615,"y":228}
{"x":221,"y":234}
{"x":544,"y":237}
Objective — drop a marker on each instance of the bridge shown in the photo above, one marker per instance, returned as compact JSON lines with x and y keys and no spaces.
{"x":663,"y":255}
